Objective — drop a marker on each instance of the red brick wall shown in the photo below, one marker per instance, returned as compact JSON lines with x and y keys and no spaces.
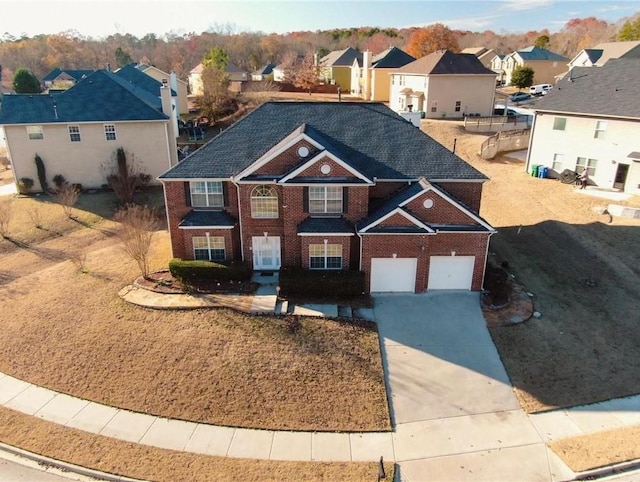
{"x":442,"y":211}
{"x":396,"y":220}
{"x":176,"y":210}
{"x":423,"y":247}
{"x":384,"y":189}
{"x":470,"y":193}
{"x":358,"y":200}
{"x":286,"y":161}
{"x":345,"y":241}
{"x":336,"y":169}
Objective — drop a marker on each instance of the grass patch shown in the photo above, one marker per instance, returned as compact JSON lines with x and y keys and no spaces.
{"x":150,"y":463}
{"x":592,"y":451}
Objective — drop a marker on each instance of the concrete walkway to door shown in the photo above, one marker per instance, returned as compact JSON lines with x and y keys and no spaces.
{"x":454,"y":412}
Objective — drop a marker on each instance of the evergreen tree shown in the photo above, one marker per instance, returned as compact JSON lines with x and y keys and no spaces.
{"x":522,"y":77}
{"x":24,"y":82}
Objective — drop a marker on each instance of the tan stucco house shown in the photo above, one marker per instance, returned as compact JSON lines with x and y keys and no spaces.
{"x":76,"y":132}
{"x":591,"y":121}
{"x":372,"y":74}
{"x":546,"y":65}
{"x":335,"y":68}
{"x":444,"y":85}
{"x":235,"y":73}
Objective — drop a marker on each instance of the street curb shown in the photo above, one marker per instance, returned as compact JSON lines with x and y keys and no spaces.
{"x":64,"y":466}
{"x":603,"y":473}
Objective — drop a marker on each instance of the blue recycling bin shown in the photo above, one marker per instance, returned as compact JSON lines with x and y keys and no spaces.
{"x":543,"y":171}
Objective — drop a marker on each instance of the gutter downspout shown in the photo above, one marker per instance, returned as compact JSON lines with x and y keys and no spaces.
{"x":486,"y":258}
{"x":533,"y":131}
{"x":360,"y":260}
{"x":239,"y":218}
{"x":166,"y":210}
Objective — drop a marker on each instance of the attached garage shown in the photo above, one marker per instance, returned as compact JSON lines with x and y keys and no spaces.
{"x":393,"y":275}
{"x":451,"y":272}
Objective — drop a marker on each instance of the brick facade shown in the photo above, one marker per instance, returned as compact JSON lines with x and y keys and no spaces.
{"x":470,"y":193}
{"x":441,"y":212}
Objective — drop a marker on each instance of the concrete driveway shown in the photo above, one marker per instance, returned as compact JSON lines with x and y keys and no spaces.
{"x":454,"y":412}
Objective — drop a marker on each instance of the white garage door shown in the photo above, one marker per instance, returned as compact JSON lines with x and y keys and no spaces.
{"x":393,"y":274}
{"x":451,"y":272}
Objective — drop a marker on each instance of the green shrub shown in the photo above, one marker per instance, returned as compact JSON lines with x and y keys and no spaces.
{"x":321,"y":284}
{"x":42,"y":173}
{"x":59,"y":180}
{"x":189,"y":271}
{"x":24,"y":185}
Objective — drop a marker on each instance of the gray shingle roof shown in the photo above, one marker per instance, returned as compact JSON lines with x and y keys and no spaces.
{"x":101,"y":97}
{"x":207,"y":218}
{"x":536,"y":53}
{"x":341,"y":58}
{"x":371,"y":137}
{"x":313,"y":225}
{"x":391,"y":58}
{"x":76,"y":74}
{"x":138,"y":79}
{"x":611,"y":90}
{"x":444,"y":62}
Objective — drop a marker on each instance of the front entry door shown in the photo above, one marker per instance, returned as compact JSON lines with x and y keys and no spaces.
{"x":621,"y":176}
{"x":266,"y":252}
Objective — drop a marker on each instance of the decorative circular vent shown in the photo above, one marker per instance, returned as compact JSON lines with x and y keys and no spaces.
{"x":325,"y":169}
{"x":428,"y":203}
{"x":303,"y":151}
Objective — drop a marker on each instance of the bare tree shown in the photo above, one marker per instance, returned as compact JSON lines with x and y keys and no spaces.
{"x":67,"y":196}
{"x":137,"y":226}
{"x":5,"y":216}
{"x":124,"y":177}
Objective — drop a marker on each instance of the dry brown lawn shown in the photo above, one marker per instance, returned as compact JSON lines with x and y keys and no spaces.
{"x":70,"y":332}
{"x":150,"y":463}
{"x":584,"y":270}
{"x":596,"y":450}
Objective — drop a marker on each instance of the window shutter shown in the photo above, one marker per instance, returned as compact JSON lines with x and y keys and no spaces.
{"x":225,"y":194}
{"x":187,"y":194}
{"x":305,"y":199}
{"x":345,"y":200}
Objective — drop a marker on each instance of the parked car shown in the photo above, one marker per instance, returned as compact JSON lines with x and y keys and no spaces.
{"x":519,"y":97}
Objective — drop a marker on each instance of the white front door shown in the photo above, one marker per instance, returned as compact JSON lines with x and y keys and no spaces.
{"x":266,"y":252}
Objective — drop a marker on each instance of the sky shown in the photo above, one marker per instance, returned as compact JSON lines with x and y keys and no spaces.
{"x":97,"y":18}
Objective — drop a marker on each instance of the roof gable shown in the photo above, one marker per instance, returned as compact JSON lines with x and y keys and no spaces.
{"x":376,"y":141}
{"x":536,"y":53}
{"x":101,"y":97}
{"x":444,"y":62}
{"x":138,"y":79}
{"x":75,"y":74}
{"x":618,"y":50}
{"x":391,"y":58}
{"x":335,"y":167}
{"x":341,"y":58}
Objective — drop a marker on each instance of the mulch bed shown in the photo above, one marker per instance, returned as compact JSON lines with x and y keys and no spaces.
{"x":164,"y":282}
{"x":504,"y":302}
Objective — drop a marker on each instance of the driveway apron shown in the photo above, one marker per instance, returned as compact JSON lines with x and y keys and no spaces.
{"x":451,"y":401}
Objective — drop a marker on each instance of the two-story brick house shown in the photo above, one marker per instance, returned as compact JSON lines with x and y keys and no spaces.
{"x":332,"y":186}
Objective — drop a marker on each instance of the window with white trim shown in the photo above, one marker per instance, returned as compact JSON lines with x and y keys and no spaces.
{"x":589,"y":164}
{"x":74,"y":133}
{"x":264,"y":202}
{"x":325,"y":256}
{"x":558,"y":159}
{"x":601,"y":129}
{"x":458,"y":105}
{"x":325,"y":199}
{"x":110,"y":132}
{"x":434,"y":106}
{"x":206,"y":194}
{"x":559,"y":123}
{"x":208,"y":248}
{"x":35,"y":133}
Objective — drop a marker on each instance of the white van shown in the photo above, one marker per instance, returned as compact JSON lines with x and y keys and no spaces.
{"x":540,"y":89}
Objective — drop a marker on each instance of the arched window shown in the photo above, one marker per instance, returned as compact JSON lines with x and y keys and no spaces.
{"x":264,"y":202}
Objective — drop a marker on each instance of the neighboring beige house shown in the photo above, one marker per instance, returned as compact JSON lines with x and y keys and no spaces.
{"x":263,"y":73}
{"x":598,"y":55}
{"x":496,"y":66}
{"x":592,"y":121}
{"x":64,"y":78}
{"x":179,"y":86}
{"x":546,"y":65}
{"x":76,"y":132}
{"x":335,"y":68}
{"x":372,"y":74}
{"x":235,"y":73}
{"x":444,"y":85}
{"x":485,"y":55}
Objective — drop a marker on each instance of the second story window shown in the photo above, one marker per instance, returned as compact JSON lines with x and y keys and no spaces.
{"x":206,"y":194}
{"x":264,"y":202}
{"x":559,"y":123}
{"x":458,"y":105}
{"x":74,"y":133}
{"x":35,"y":133}
{"x":325,"y":200}
{"x":110,"y":132}
{"x":601,"y":129}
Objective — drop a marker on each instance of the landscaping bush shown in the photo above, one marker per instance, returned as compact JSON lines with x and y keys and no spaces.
{"x":24,"y":185}
{"x":189,"y":271}
{"x":321,"y":284}
{"x":496,"y":285}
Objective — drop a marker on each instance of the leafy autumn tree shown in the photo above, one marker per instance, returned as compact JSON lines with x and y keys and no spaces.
{"x":630,"y":30}
{"x":24,"y":82}
{"x":303,"y":73}
{"x":522,"y":77}
{"x":542,"y":41}
{"x":216,"y":100}
{"x":430,"y":39}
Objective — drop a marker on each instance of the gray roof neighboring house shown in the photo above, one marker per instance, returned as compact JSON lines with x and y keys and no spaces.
{"x":75,"y":74}
{"x":617,"y":50}
{"x":391,"y":58}
{"x":100,"y":97}
{"x":593,"y":54}
{"x":138,"y":79}
{"x":372,"y":138}
{"x":612,"y":90}
{"x":444,"y":62}
{"x":536,"y":53}
{"x":341,"y":58}
{"x":265,"y":70}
